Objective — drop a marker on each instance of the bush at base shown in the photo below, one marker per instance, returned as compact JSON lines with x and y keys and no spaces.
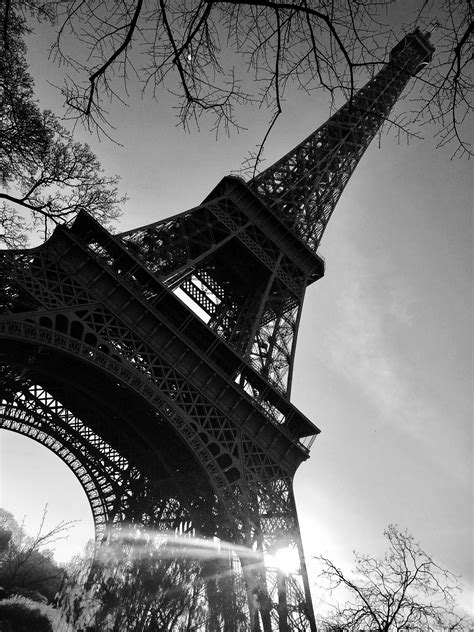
{"x":18,"y":614}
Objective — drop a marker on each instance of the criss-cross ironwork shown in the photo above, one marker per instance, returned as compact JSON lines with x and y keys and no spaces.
{"x":158,"y":363}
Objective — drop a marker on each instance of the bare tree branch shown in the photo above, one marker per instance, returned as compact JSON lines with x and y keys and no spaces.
{"x":404,"y":589}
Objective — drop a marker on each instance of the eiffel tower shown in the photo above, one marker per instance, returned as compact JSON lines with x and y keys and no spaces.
{"x":157,"y":363}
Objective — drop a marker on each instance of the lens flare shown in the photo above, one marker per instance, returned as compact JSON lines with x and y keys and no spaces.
{"x":285,"y":560}
{"x":172,"y":545}
{"x":176,"y":545}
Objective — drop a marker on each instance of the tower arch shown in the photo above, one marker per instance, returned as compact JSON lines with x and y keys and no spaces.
{"x":125,"y":478}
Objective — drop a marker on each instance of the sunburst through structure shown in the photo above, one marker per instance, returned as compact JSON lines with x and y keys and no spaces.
{"x":158,"y":363}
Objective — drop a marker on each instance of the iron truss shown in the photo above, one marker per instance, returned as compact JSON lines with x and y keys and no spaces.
{"x":303,"y":187}
{"x":158,"y":363}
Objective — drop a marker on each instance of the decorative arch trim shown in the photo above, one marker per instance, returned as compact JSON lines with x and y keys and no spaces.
{"x":30,"y":332}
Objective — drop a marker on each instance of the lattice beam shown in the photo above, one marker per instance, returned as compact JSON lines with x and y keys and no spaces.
{"x":303,"y":187}
{"x":176,"y":412}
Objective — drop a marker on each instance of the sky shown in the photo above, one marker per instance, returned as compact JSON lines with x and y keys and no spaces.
{"x":384,"y":358}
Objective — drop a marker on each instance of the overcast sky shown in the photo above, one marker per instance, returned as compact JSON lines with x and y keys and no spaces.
{"x":383,"y":365}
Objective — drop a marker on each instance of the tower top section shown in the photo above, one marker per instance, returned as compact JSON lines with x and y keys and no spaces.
{"x":414,"y":40}
{"x":303,"y":187}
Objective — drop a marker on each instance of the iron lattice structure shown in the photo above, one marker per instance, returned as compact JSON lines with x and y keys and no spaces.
{"x":158,"y":363}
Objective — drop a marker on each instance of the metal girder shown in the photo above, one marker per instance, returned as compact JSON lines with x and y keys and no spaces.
{"x":102,"y":334}
{"x":176,"y":413}
{"x":124,"y":478}
{"x":303,"y":187}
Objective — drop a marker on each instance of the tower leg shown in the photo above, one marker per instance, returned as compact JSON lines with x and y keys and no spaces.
{"x":257,"y":595}
{"x":282,"y":603}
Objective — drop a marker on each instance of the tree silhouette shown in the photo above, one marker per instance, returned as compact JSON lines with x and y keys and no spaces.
{"x":46,"y":176}
{"x":403,"y":590}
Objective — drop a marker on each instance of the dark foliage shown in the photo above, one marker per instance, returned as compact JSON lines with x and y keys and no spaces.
{"x":46,"y":176}
{"x":20,"y":616}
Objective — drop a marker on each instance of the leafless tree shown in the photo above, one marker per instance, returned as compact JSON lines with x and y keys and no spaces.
{"x":403,"y":590}
{"x":218,"y":55}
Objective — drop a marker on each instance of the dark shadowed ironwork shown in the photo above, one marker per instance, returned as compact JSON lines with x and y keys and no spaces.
{"x":158,"y":363}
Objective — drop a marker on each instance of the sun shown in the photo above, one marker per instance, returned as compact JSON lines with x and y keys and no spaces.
{"x":286,"y":560}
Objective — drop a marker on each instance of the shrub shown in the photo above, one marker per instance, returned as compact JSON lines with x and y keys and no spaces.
{"x":18,"y":614}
